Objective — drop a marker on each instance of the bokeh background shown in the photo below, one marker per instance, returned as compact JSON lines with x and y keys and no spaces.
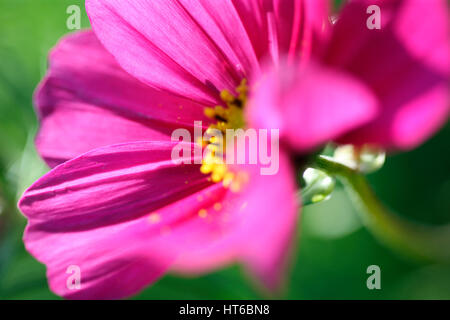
{"x":333,"y":250}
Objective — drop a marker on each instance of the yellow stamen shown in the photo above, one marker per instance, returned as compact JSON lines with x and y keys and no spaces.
{"x":226,"y":96}
{"x":228,"y":179}
{"x":230,"y":117}
{"x":210,"y":112}
{"x":203,"y":213}
{"x":154,"y":218}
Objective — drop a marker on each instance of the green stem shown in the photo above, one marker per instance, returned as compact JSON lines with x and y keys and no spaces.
{"x":425,"y":242}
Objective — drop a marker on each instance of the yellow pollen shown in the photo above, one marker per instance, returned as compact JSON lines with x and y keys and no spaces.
{"x":235,"y":186}
{"x":209,"y":112}
{"x":219,"y":172}
{"x":228,"y":179}
{"x":217,"y":206}
{"x":227,"y":96}
{"x":239,"y":181}
{"x":229,"y":117}
{"x":154,"y":218}
{"x":203,"y":213}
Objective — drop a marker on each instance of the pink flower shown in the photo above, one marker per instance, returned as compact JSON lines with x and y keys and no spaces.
{"x":400,"y":72}
{"x":124,"y":213}
{"x":116,"y":206}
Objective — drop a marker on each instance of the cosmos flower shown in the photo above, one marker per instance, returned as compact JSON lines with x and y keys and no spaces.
{"x":115,"y":204}
{"x":404,"y":66}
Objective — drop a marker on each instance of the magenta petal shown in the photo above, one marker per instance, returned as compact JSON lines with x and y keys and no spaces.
{"x":278,"y":28}
{"x":94,"y":212}
{"x":314,"y":29}
{"x":124,"y":213}
{"x":310,"y":106}
{"x":406,"y":64}
{"x":255,"y":226}
{"x":110,"y":185}
{"x":198,"y":48}
{"x":87,"y":101}
{"x":204,"y":239}
{"x":271,"y":214}
{"x":114,"y":261}
{"x":174,"y":45}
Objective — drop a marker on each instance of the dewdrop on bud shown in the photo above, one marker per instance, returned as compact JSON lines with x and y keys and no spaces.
{"x":318,"y":186}
{"x":365,"y":159}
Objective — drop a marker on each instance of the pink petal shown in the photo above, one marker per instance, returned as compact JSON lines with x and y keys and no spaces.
{"x":94,"y":212}
{"x":310,"y":106}
{"x":406,"y":64}
{"x":133,"y":179}
{"x":255,"y":226}
{"x":98,"y":212}
{"x":175,"y":45}
{"x":87,"y":101}
{"x":278,"y":28}
{"x":198,"y":48}
{"x":270,"y":227}
{"x":114,"y":262}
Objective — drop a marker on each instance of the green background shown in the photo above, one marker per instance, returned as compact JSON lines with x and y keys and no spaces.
{"x":333,"y":251}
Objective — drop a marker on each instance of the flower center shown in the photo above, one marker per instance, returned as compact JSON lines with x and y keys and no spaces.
{"x":231,"y":117}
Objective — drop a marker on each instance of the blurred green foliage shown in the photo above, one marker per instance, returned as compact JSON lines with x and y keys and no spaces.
{"x":333,"y":250}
